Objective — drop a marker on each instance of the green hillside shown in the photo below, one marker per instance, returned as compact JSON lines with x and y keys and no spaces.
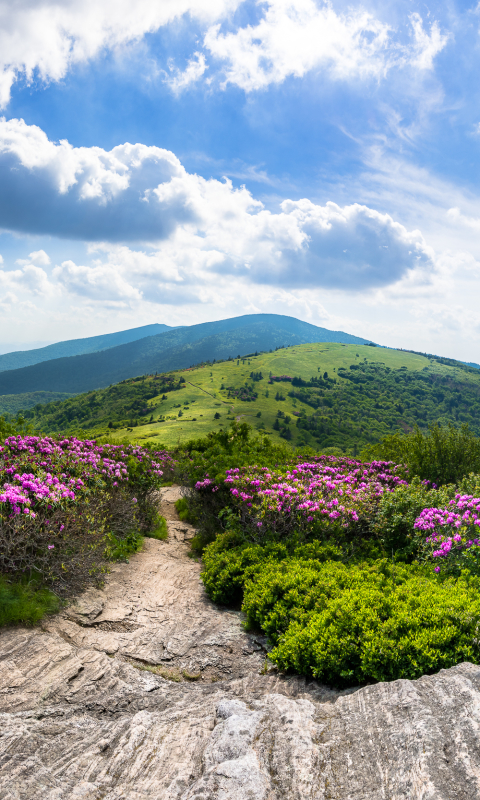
{"x":177,"y":348}
{"x":330,"y":395}
{"x":75,"y":347}
{"x":11,"y":404}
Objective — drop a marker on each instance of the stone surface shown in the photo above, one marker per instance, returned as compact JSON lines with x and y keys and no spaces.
{"x":147,"y":691}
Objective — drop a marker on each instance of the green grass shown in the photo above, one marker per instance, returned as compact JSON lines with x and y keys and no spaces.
{"x":24,"y":604}
{"x":399,"y":390}
{"x":160,"y":531}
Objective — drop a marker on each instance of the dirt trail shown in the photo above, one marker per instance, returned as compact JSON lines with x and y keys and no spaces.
{"x":84,"y":712}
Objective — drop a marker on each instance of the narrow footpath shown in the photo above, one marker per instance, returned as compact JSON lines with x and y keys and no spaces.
{"x":145,"y":690}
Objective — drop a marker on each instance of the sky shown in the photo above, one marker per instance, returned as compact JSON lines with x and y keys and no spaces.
{"x":181,"y":161}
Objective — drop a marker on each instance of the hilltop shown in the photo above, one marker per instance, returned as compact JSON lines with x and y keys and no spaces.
{"x":176,"y":348}
{"x":321,"y":395}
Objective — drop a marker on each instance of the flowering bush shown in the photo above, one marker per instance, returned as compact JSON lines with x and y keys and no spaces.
{"x":61,"y":502}
{"x":335,"y":492}
{"x":453,"y":539}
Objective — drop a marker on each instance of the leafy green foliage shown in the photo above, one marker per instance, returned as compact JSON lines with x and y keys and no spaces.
{"x":442,"y":454}
{"x":185,"y":512}
{"x":119,"y":549}
{"x":127,"y":403}
{"x":369,"y":400}
{"x":23,"y":603}
{"x":396,"y":515}
{"x":347,"y":625}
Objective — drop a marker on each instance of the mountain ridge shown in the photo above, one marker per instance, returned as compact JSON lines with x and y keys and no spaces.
{"x":17,"y":359}
{"x":177,"y":348}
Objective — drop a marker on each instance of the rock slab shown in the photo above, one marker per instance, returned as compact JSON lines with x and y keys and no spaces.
{"x":147,"y":691}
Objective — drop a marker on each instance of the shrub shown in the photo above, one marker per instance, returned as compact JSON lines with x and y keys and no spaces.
{"x":443,"y":454}
{"x":160,"y":530}
{"x":347,"y":625}
{"x":396,"y":515}
{"x":229,"y":562}
{"x":67,"y":505}
{"x":185,"y":512}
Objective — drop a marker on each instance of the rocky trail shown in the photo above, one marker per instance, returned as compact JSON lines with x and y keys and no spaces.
{"x":145,"y":689}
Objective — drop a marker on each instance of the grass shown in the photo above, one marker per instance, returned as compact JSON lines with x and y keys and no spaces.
{"x":204,"y":397}
{"x":161,"y":530}
{"x":24,"y":604}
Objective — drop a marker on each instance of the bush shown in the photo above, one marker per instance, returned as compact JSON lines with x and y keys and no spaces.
{"x":397,"y":511}
{"x":185,"y":512}
{"x":229,"y":562}
{"x":206,"y":461}
{"x":347,"y":625}
{"x":68,"y":505}
{"x":444,"y":454}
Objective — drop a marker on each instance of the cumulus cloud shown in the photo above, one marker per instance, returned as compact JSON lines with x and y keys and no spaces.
{"x":31,"y":279}
{"x":47,"y":37}
{"x":136,"y":193}
{"x":294,"y":37}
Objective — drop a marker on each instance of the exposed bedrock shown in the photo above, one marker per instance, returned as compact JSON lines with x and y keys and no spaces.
{"x":145,"y":689}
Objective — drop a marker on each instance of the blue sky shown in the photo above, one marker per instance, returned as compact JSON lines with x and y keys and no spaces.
{"x":176,"y":161}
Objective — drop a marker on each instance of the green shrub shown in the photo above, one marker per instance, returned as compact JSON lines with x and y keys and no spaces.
{"x":229,"y":562}
{"x":226,"y":562}
{"x":347,"y":625}
{"x":443,"y":454}
{"x":25,"y":604}
{"x":119,"y":549}
{"x":396,"y":515}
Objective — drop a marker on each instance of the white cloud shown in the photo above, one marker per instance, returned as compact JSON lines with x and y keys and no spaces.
{"x":426,"y":45}
{"x":97,"y":283}
{"x":49,"y":36}
{"x":40,"y":257}
{"x":143,"y":194}
{"x":296,"y":36}
{"x":178,"y":81}
{"x":45,"y":38}
{"x":30,"y":279}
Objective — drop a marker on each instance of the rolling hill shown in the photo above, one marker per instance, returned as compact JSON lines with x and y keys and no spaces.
{"x":324,"y":395}
{"x":75,"y":347}
{"x":177,"y":348}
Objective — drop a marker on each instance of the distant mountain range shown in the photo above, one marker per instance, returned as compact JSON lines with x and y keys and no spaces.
{"x":80,"y":365}
{"x":76,"y":347}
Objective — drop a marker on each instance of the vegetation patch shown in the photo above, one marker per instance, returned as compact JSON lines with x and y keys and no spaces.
{"x":24,"y":603}
{"x":356,"y":571}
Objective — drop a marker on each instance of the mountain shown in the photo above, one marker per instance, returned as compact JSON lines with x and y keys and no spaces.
{"x":76,"y":347}
{"x":176,"y":348}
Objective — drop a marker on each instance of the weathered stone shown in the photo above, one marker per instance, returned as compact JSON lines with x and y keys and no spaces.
{"x":88,"y":710}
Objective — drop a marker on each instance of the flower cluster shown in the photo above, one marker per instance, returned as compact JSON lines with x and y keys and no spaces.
{"x":336,"y":490}
{"x":452,"y":530}
{"x":61,"y":500}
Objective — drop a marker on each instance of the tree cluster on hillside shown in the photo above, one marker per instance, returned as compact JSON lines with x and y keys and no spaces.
{"x":117,"y":406}
{"x":371,"y":400}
